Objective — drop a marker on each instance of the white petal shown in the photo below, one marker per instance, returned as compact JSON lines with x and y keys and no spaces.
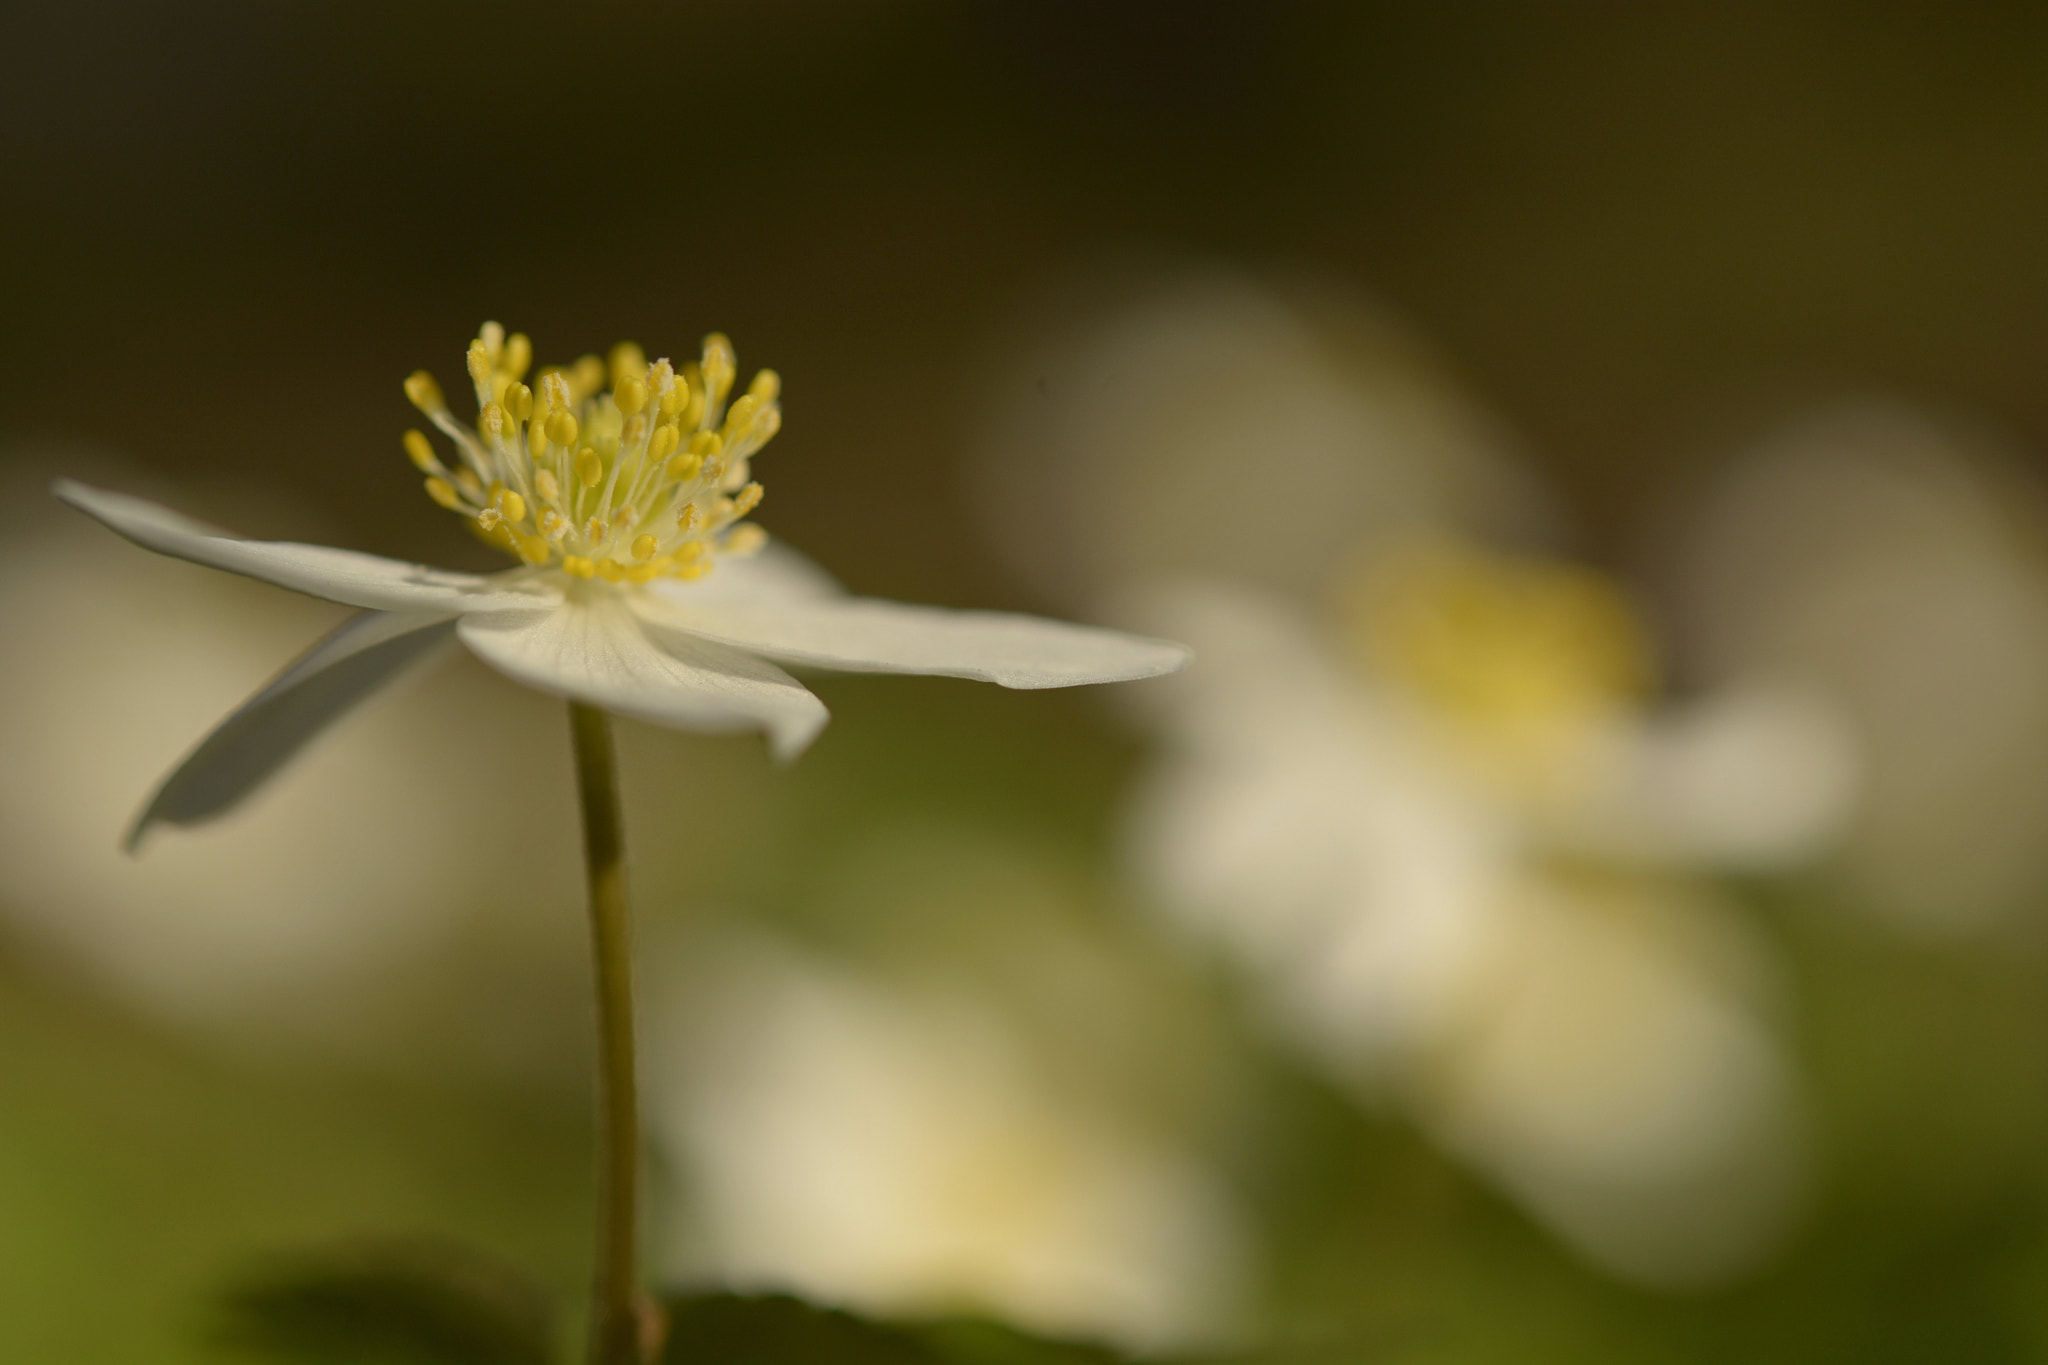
{"x":777,"y":573}
{"x":358,"y":580}
{"x":592,"y":648}
{"x":265,"y":731}
{"x":868,"y":635}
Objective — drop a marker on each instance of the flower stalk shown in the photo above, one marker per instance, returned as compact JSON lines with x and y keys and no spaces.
{"x":615,"y":1327}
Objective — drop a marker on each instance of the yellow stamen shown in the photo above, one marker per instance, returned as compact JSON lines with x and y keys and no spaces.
{"x":425,"y":393}
{"x":561,"y":427}
{"x":610,"y":468}
{"x":518,"y":355}
{"x":420,"y":452}
{"x":718,"y":367}
{"x":628,"y":361}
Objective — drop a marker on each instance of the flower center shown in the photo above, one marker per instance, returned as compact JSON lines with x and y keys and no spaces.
{"x":644,"y":479}
{"x":1522,"y":664}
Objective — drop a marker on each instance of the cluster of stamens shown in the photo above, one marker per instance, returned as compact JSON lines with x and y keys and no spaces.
{"x":644,"y":479}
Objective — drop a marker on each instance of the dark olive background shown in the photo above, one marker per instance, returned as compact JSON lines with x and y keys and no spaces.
{"x":227,"y":231}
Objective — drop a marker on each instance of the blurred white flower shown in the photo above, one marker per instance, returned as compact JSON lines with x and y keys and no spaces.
{"x":902,"y":1144}
{"x":618,"y":503}
{"x":1210,"y":426}
{"x":1899,"y":565}
{"x":1461,"y":864}
{"x":1447,"y":828}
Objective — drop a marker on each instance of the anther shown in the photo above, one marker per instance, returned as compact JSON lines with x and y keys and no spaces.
{"x":561,"y":428}
{"x":767,"y":386}
{"x":718,"y":366}
{"x":664,"y":443}
{"x":644,"y":547}
{"x":553,"y":524}
{"x":687,"y":519}
{"x":739,"y":417}
{"x":748,"y":499}
{"x":518,"y":355}
{"x":631,"y":396}
{"x":586,"y":376}
{"x":479,"y":361}
{"x":443,"y":492}
{"x":589,"y":468}
{"x":514,"y":506}
{"x":425,"y":393}
{"x":610,"y":570}
{"x":745,"y":540}
{"x":420,"y":452}
{"x":545,"y":484}
{"x":576,"y":566}
{"x":706,"y":443}
{"x":518,"y":401}
{"x":628,"y":361}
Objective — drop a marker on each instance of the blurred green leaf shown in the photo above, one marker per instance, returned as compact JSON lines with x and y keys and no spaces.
{"x":776,"y":1329}
{"x":409,"y":1303}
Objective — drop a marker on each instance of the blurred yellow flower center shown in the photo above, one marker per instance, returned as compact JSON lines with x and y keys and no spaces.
{"x":619,"y":470}
{"x":1517,"y":657}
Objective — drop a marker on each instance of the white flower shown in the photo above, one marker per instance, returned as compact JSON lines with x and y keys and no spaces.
{"x":641,"y":589}
{"x":1453,"y":836}
{"x":905,"y":1143}
{"x":1458,"y":855}
{"x":1896,"y":561}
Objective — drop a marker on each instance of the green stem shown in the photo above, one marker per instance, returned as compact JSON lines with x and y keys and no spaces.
{"x":615,"y":1307}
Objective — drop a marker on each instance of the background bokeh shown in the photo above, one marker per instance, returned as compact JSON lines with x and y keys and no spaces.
{"x":1749,"y":301}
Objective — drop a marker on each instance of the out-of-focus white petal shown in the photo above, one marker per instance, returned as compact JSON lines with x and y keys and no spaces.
{"x":592,"y":648}
{"x":1758,"y":775}
{"x":909,"y":1147}
{"x":1616,"y":1074}
{"x":264,"y":732}
{"x":867,"y":635}
{"x":1176,"y":421}
{"x":1899,"y":565}
{"x":346,"y":576}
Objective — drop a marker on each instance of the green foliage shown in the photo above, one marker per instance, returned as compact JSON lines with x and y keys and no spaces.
{"x":412,"y":1303}
{"x":776,"y":1329}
